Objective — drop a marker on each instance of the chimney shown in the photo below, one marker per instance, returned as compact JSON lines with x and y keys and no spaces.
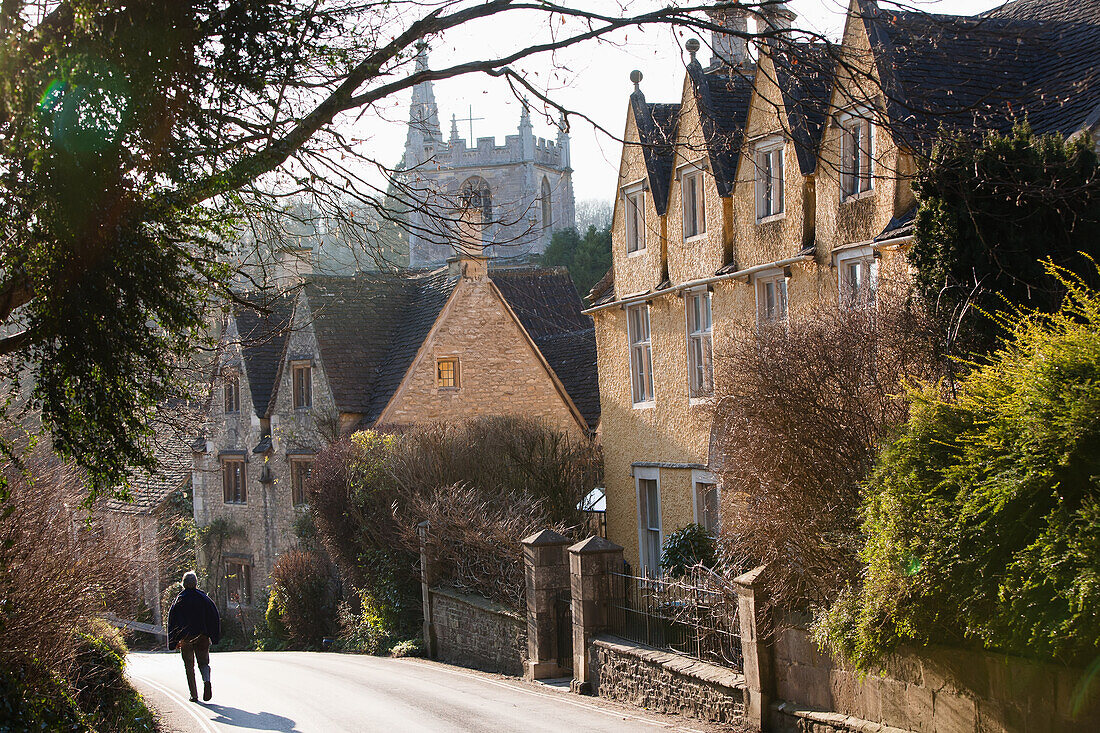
{"x":778,"y":16}
{"x":293,"y":266}
{"x":728,"y":49}
{"x":469,"y":262}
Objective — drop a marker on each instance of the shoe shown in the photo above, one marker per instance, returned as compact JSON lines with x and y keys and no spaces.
{"x":193,"y":699}
{"x":207,"y":691}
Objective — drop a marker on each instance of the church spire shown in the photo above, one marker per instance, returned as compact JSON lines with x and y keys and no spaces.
{"x":424,"y":133}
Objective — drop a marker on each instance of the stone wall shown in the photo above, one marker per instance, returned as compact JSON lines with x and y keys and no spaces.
{"x":665,"y":682}
{"x":475,"y":632}
{"x":938,"y":690}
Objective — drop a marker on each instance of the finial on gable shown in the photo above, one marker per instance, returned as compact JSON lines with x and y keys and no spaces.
{"x":636,"y":77}
{"x":692,"y":47}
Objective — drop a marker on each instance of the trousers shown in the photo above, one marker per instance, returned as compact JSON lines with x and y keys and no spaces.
{"x":192,"y":650}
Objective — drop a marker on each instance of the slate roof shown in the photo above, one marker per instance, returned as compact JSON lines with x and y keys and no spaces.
{"x":804,"y":73}
{"x":656,"y":132}
{"x":263,"y":324}
{"x":604,"y":289}
{"x":722,"y":98}
{"x":899,"y":226}
{"x":546,"y":303}
{"x":171,"y":442}
{"x":1028,"y":59}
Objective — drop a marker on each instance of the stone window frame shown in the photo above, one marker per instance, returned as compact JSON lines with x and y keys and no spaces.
{"x":238,"y":494}
{"x":699,"y":501}
{"x":700,"y":344}
{"x":298,"y":496}
{"x":547,"y":204}
{"x":651,"y":537}
{"x":633,"y":198}
{"x":770,"y":166}
{"x":861,"y":295}
{"x":857,"y":154}
{"x":244,"y":565}
{"x":692,"y":179}
{"x":779,"y":279}
{"x":455,"y":373}
{"x":639,"y":338}
{"x":475,"y":191}
{"x":301,"y":389}
{"x":231,"y":390}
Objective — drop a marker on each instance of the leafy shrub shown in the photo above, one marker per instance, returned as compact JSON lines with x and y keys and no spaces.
{"x":983,"y":515}
{"x":686,"y":547}
{"x":102,"y":690}
{"x":374,"y":624}
{"x":408,"y":648}
{"x":31,"y":698}
{"x":304,"y":591}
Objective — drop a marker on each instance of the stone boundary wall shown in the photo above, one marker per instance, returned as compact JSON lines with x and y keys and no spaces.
{"x":937,"y":689}
{"x":475,"y":632}
{"x":665,"y":682}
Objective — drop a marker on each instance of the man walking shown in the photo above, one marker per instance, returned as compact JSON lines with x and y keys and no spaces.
{"x":193,"y":625}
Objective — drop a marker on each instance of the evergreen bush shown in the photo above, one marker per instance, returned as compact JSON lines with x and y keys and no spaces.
{"x":687,"y":547}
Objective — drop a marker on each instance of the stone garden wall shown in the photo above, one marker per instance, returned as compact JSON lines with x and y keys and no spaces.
{"x":475,"y":632}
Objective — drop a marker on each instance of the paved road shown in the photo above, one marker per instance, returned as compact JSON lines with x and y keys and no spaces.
{"x":294,"y":692}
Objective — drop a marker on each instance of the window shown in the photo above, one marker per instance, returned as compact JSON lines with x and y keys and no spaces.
{"x":635,"y":221}
{"x":299,"y":474}
{"x":769,"y":179}
{"x":475,"y":194}
{"x":706,"y":501}
{"x":695,"y":218}
{"x":446,"y":373}
{"x":771,"y":298}
{"x":700,"y":345}
{"x":233,"y":487}
{"x":856,"y":276}
{"x":232,"y":387}
{"x":855,"y":160}
{"x":641,"y":367}
{"x":238,"y":581}
{"x":649,"y":520}
{"x":547,"y":208}
{"x":303,"y":385}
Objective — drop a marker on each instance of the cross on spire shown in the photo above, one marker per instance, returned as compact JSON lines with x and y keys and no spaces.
{"x":471,"y":119}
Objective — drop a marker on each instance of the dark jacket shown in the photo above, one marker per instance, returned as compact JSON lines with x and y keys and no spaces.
{"x":192,"y":614}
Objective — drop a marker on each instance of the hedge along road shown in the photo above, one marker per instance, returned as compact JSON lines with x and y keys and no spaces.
{"x":294,"y":692}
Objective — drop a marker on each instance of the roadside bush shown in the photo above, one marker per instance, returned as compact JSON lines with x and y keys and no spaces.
{"x":801,"y":410}
{"x":304,"y":591}
{"x":102,"y":690}
{"x":687,"y":547}
{"x":982,"y":517}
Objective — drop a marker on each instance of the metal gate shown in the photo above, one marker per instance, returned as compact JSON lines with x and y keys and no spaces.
{"x":563,"y":616}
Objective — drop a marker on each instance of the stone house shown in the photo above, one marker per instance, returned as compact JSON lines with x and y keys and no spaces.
{"x":781,"y":181}
{"x":378,"y":350}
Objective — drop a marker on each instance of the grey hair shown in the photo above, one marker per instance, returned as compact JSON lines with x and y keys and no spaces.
{"x":190,"y":580}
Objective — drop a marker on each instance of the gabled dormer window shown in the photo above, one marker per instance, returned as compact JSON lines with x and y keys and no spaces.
{"x":694,"y":204}
{"x":769,"y":179}
{"x":856,"y":163}
{"x":302,"y":376}
{"x":634,"y":209}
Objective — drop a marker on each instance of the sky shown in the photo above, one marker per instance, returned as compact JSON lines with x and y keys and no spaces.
{"x":592,"y":78}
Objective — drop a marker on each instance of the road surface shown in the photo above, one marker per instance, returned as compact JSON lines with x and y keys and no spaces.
{"x":303,"y":692}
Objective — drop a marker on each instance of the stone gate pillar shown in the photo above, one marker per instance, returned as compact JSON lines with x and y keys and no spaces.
{"x":429,"y":577}
{"x":546,"y":569}
{"x":591,"y":563}
{"x":757,"y":655}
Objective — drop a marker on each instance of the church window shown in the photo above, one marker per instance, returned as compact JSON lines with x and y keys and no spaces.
{"x":635,"y":221}
{"x":641,"y":364}
{"x":232,"y":386}
{"x":695,"y":221}
{"x":446,"y":372}
{"x":855,"y":156}
{"x":299,"y":474}
{"x":769,"y":179}
{"x":547,"y":209}
{"x":238,"y":581}
{"x":475,"y":194}
{"x":233,"y":486}
{"x":302,"y":376}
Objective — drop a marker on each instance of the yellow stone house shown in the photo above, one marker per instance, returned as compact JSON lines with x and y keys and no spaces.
{"x":780,"y":181}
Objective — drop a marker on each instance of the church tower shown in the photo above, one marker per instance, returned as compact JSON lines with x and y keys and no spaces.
{"x":523,"y":188}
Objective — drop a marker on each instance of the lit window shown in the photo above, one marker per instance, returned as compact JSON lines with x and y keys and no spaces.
{"x":232,"y":387}
{"x":769,"y":180}
{"x":695,"y":220}
{"x":856,"y":278}
{"x":641,"y":366}
{"x":635,"y":221}
{"x":302,"y":375}
{"x":700,"y":345}
{"x":446,"y":372}
{"x":771,"y":298}
{"x":649,"y":520}
{"x":238,"y":582}
{"x":706,"y":506}
{"x":299,"y":474}
{"x":855,"y":163}
{"x":233,"y":486}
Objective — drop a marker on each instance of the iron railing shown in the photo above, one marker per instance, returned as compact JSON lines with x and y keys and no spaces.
{"x":693,"y":615}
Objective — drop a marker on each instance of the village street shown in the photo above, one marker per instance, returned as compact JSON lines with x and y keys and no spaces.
{"x":301,"y":692}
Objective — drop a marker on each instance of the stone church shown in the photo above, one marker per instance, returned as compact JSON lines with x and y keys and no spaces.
{"x":524,"y":187}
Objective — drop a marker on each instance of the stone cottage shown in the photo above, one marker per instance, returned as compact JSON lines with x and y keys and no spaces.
{"x":780,"y":180}
{"x":378,"y":350}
